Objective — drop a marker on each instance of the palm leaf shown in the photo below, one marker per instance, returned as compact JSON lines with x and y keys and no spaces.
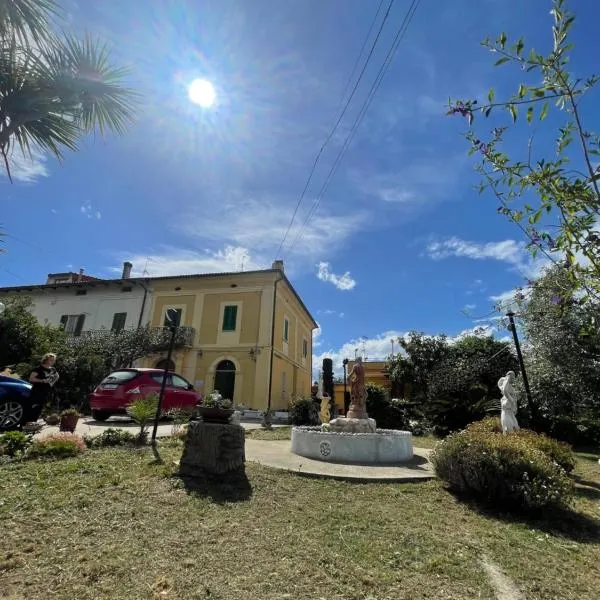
{"x":27,"y":20}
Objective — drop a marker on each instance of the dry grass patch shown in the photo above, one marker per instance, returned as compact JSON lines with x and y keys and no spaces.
{"x":110,"y":524}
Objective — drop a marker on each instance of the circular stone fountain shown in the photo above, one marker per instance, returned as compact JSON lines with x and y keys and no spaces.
{"x":383,"y":446}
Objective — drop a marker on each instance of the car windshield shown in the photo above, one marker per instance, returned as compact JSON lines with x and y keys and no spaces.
{"x":120,"y":377}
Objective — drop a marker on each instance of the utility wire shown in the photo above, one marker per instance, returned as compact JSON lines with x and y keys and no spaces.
{"x":366,"y":104}
{"x":341,"y":115}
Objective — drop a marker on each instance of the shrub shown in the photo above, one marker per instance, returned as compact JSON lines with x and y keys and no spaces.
{"x":303,"y":411}
{"x":582,"y":432}
{"x":58,"y":445}
{"x":387,"y":414}
{"x":112,"y":437}
{"x":14,"y":443}
{"x":559,"y":452}
{"x":504,"y":470}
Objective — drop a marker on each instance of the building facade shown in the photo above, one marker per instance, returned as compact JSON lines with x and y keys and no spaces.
{"x":375,"y":372}
{"x":80,"y":303}
{"x":253,"y":335}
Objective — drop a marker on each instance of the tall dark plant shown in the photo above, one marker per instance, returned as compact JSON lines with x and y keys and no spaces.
{"x":328,"y":377}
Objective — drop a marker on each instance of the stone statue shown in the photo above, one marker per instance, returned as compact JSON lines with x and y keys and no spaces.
{"x":509,"y":406}
{"x":320,"y":388}
{"x":325,"y":408}
{"x":358,"y":392}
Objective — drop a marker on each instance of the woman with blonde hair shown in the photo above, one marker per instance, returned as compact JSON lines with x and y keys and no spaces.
{"x":42,"y":379}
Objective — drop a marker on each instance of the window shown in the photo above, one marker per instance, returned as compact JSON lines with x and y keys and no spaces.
{"x":304,"y":348}
{"x":179,"y":382}
{"x":81,"y":292}
{"x":72,"y":324}
{"x":118,"y":323}
{"x":177,"y":311}
{"x":127,"y":288}
{"x":229,"y":318}
{"x":286,"y":330}
{"x":120,"y":377}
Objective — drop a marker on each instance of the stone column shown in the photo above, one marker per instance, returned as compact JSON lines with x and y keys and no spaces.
{"x":213,"y":449}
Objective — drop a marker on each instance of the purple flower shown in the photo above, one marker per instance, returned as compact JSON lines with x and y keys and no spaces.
{"x":556,"y":300}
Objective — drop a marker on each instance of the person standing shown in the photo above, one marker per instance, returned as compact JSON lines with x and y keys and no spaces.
{"x":42,"y":379}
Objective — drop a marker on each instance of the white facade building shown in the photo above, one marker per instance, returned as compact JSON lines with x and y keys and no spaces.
{"x":80,"y":303}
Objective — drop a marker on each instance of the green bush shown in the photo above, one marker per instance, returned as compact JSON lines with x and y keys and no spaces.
{"x":559,"y":452}
{"x":112,"y":437}
{"x":504,"y":470}
{"x":59,"y":445}
{"x":387,"y":414}
{"x":303,"y":411}
{"x":577,"y":431}
{"x":14,"y":443}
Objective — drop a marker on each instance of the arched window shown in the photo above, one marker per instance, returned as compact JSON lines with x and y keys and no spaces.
{"x":163,"y":362}
{"x":225,"y":379}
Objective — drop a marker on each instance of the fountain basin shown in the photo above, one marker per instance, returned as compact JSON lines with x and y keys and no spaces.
{"x":385,"y":446}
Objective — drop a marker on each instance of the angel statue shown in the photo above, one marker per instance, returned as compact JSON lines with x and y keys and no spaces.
{"x":508,"y":417}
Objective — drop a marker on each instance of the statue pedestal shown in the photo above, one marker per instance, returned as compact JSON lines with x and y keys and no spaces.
{"x":213,"y":449}
{"x":347,"y":425}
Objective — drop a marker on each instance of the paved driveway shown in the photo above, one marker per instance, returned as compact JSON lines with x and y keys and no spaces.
{"x":87,"y":426}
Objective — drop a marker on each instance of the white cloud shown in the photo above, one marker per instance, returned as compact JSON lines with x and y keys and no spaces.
{"x":330,"y":312}
{"x":341,"y":282}
{"x":53,"y":211}
{"x":88,"y":210}
{"x":508,"y":251}
{"x":377,"y":348}
{"x":179,"y":261}
{"x":24,"y":168}
{"x":317,"y":333}
{"x":261,"y":225}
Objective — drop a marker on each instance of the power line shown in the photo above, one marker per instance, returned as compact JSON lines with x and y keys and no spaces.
{"x":408,"y":17}
{"x":342,"y":113}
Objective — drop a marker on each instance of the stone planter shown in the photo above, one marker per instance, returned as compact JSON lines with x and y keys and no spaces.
{"x":213,"y":414}
{"x":213,"y":449}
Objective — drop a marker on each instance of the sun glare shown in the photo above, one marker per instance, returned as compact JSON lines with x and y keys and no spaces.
{"x":202,"y":92}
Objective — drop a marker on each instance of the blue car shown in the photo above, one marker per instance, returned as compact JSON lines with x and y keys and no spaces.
{"x":16,"y":408}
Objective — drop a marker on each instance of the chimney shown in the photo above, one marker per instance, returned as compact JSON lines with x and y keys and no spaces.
{"x":278,"y":265}
{"x":80,"y":278}
{"x":127,"y":266}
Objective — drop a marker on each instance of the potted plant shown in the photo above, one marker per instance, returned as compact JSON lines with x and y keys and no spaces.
{"x":68,"y":420}
{"x":215,"y":409}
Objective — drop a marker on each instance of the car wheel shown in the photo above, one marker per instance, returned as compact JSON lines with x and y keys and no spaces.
{"x":12,"y":414}
{"x":100,"y":415}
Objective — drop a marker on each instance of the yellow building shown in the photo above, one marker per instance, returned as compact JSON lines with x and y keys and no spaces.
{"x":375,"y":372}
{"x":251,"y":336}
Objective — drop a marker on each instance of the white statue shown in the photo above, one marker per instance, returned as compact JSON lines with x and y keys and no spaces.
{"x":508,"y":417}
{"x":320,"y":388}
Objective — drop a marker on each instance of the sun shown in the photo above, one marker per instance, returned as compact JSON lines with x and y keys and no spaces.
{"x":202,"y":92}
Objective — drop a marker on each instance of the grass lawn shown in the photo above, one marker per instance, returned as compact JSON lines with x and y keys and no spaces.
{"x":112,"y":525}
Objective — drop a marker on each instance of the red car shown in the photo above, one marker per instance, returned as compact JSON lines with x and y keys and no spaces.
{"x":122,"y":387}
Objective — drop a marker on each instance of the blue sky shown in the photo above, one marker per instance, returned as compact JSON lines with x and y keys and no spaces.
{"x":400,"y":240}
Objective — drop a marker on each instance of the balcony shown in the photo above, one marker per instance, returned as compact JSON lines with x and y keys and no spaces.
{"x":153,"y":338}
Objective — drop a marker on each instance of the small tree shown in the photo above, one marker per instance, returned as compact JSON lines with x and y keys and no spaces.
{"x":143,"y":411}
{"x":554,"y":198}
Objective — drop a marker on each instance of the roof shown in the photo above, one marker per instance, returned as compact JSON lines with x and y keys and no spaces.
{"x":77,"y":276}
{"x":142,"y":280}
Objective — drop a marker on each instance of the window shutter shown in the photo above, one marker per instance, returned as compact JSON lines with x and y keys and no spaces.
{"x":286,"y":330}
{"x":229,"y":318}
{"x":63,"y":321}
{"x":118,"y":323}
{"x":79,"y":326}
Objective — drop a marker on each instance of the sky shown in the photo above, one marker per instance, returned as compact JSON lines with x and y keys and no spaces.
{"x":395,"y":239}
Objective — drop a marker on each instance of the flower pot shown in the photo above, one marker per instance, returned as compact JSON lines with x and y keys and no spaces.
{"x":68,"y":423}
{"x":213,"y":414}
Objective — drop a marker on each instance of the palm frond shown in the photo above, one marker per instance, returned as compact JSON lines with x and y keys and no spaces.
{"x":90,"y":88}
{"x":27,"y":20}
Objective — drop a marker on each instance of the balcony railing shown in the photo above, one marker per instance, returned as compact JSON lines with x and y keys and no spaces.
{"x":155,"y":338}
